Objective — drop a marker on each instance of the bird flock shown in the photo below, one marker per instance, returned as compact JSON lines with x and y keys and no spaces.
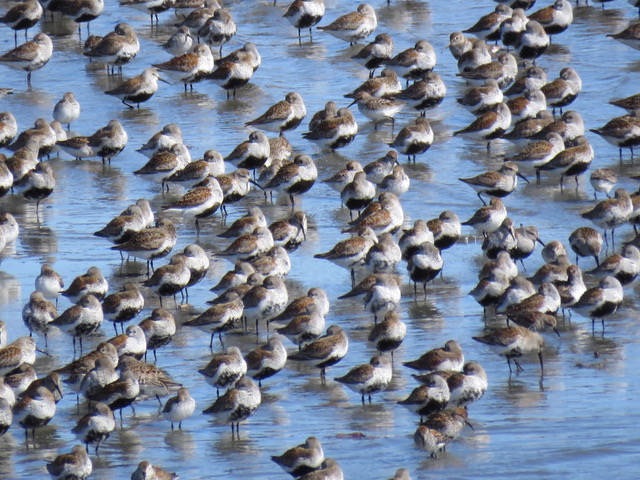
{"x":256,"y":326}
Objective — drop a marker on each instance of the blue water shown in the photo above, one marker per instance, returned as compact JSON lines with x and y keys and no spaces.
{"x":576,"y":422}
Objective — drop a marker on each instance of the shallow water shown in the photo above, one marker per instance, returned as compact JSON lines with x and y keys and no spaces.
{"x":571,"y":421}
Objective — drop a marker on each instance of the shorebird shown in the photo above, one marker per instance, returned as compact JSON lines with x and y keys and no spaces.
{"x":301,"y":459}
{"x":266,"y":360}
{"x":449,"y":357}
{"x":76,"y":464}
{"x":373,"y":55}
{"x":67,"y":110}
{"x":237,"y":404}
{"x":601,"y":301}
{"x":354,"y":26}
{"x":431,"y":397}
{"x":22,"y":16}
{"x":138,"y":89}
{"x":368,"y":378}
{"x":81,"y":320}
{"x":91,"y":282}
{"x":325,"y":351}
{"x":200,"y":202}
{"x":29,"y":56}
{"x":285,"y":115}
{"x":147,"y":471}
{"x":190,"y":67}
{"x":513,"y":342}
{"x":305,"y":14}
{"x":122,"y":306}
{"x":96,"y":426}
{"x":179,"y":408}
{"x":151,"y":243}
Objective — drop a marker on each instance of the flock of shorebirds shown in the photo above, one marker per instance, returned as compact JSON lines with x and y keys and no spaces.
{"x":510,"y":97}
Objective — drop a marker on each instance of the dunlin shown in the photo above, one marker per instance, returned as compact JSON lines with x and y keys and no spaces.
{"x":527,"y":106}
{"x":414,"y":63}
{"x":621,"y":132}
{"x":513,"y":342}
{"x":219,"y":318}
{"x":20,"y":378}
{"x":96,"y":426}
{"x":325,"y":351}
{"x":305,"y":14}
{"x":22,"y":16}
{"x":586,"y":242}
{"x":449,"y":422}
{"x":369,"y":378}
{"x":503,"y":70}
{"x":180,"y":42}
{"x":603,"y":180}
{"x":251,"y":154}
{"x":385,"y":215}
{"x":67,"y":110}
{"x":117,"y":48}
{"x":424,"y":94}
{"x":511,"y":28}
{"x":122,"y":306}
{"x":103,"y":373}
{"x":189,"y":67}
{"x":480,"y":99}
{"x":169,"y":280}
{"x":601,"y":301}
{"x":488,"y":219}
{"x":474,"y":57}
{"x":16,"y":353}
{"x":211,"y":165}
{"x":158,"y":329}
{"x":630,"y":104}
{"x":162,"y":165}
{"x":539,"y":152}
{"x":414,"y":139}
{"x":138,"y":89}
{"x":196,"y":16}
{"x":497,"y":183}
{"x":120,"y":393}
{"x":449,"y":357}
{"x":329,"y":111}
{"x":153,"y":381}
{"x":289,"y":233}
{"x":299,"y":306}
{"x":432,"y":396}
{"x":458,"y":44}
{"x":79,"y":11}
{"x":563,"y":90}
{"x":412,"y":238}
{"x":304,"y":328}
{"x":91,"y":282}
{"x":384,"y":255}
{"x":503,"y":238}
{"x":388,"y":334}
{"x":468,"y":386}
{"x":546,"y":300}
{"x":529,"y":129}
{"x":152,"y":7}
{"x":266,"y":301}
{"x":377,"y":109}
{"x":533,"y":41}
{"x":151,"y":243}
{"x":554,"y":18}
{"x":6,"y":416}
{"x":76,"y":464}
{"x":246,"y":224}
{"x":533,"y":78}
{"x":424,"y":265}
{"x":624,"y":266}
{"x":35,"y":410}
{"x":237,"y":404}
{"x":334,"y":133}
{"x":41,"y":137}
{"x":571,"y":162}
{"x":611,"y":213}
{"x":179,"y":408}
{"x":8,"y":128}
{"x":488,"y":26}
{"x":373,"y":55}
{"x":386,"y":85}
{"x":489,"y":125}
{"x":147,"y":471}
{"x":572,"y":289}
{"x":218,"y":29}
{"x":429,"y":440}
{"x":29,"y":56}
{"x":107,"y":142}
{"x":121,"y":228}
{"x":37,"y":184}
{"x":233,"y":73}
{"x":351,"y":252}
{"x":552,"y":271}
{"x":81,"y":320}
{"x":7,"y":394}
{"x":446,"y":229}
{"x":49,"y":282}
{"x":329,"y":470}
{"x":162,"y":141}
{"x":38,"y":313}
{"x":224,"y":369}
{"x":199,"y":202}
{"x":630,"y":36}
{"x":275,"y":262}
{"x":301,"y":459}
{"x":285,"y":115}
{"x":132,"y":342}
{"x":266,"y":360}
{"x":378,"y":169}
{"x":503,"y":266}
{"x":354,"y":26}
{"x":247,"y":53}
{"x":359,"y":193}
{"x":294,"y":178}
{"x":552,"y":250}
{"x":526,"y":239}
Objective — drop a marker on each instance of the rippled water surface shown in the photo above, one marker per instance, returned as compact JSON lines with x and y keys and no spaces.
{"x":571,"y":422}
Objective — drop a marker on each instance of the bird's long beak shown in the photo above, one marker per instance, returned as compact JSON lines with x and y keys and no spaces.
{"x":523,"y":177}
